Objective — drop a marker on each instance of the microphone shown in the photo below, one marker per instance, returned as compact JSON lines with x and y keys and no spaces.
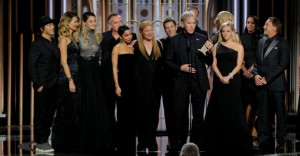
{"x":188,"y":45}
{"x":189,"y":48}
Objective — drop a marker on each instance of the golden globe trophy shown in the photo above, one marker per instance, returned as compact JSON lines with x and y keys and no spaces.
{"x":213,"y":39}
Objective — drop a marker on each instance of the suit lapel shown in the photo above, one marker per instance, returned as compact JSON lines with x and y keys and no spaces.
{"x":261,"y":48}
{"x":272,"y":45}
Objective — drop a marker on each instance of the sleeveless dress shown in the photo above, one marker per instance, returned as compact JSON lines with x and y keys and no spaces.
{"x":66,"y":121}
{"x":126,"y":106}
{"x":96,"y":136}
{"x":225,"y":126}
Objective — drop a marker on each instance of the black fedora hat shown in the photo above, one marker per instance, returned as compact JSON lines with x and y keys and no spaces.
{"x":43,"y":21}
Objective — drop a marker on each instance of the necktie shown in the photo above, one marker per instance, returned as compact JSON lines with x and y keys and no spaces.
{"x":266,"y":45}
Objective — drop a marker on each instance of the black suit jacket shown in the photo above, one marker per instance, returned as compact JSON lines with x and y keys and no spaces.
{"x":166,"y":71}
{"x":272,"y":65}
{"x":43,"y":62}
{"x":177,"y":55}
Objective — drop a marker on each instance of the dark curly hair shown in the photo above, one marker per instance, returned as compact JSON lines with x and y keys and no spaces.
{"x":258,"y":29}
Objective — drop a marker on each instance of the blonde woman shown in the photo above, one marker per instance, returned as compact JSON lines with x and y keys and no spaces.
{"x":66,"y":121}
{"x":96,"y":124}
{"x":148,"y":63}
{"x":222,"y":17}
{"x":225,"y":118}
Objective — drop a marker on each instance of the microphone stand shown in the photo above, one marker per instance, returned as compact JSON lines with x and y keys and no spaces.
{"x":189,"y":50}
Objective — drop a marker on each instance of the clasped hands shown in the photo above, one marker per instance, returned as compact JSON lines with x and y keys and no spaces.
{"x":225,"y":79}
{"x":260,"y":81}
{"x":187,"y":68}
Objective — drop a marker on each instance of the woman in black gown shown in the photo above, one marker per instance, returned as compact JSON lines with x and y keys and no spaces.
{"x":249,"y":40}
{"x":96,"y":124}
{"x":148,"y":65}
{"x":66,"y":121}
{"x":123,"y":73}
{"x":225,"y":119}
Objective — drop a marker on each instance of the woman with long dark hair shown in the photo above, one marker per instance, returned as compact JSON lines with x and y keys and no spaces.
{"x":249,"y":41}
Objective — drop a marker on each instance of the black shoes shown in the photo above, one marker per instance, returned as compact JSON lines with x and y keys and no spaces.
{"x":280,"y":149}
{"x":257,"y":149}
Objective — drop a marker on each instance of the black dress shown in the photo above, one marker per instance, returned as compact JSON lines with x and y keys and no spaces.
{"x":249,"y":42}
{"x":96,"y":124}
{"x":225,"y":120}
{"x":126,"y":106}
{"x":66,"y":120}
{"x":147,"y":74}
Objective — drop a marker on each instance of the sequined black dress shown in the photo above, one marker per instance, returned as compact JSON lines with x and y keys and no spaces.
{"x":66,"y":121}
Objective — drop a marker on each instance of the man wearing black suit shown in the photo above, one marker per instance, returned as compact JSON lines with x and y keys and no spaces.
{"x":44,"y":63}
{"x":110,"y":39}
{"x":271,"y":62}
{"x":195,"y":10}
{"x":170,"y":28}
{"x":189,"y":79}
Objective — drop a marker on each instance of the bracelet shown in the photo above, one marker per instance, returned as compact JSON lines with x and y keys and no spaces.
{"x":231,"y":75}
{"x":70,"y":78}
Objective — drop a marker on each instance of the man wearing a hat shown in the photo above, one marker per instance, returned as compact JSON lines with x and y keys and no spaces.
{"x":44,"y":64}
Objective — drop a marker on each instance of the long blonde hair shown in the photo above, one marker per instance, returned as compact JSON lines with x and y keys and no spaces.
{"x":63,"y":25}
{"x":156,"y":50}
{"x":223,"y":16}
{"x":84,"y":28}
{"x":235,"y":36}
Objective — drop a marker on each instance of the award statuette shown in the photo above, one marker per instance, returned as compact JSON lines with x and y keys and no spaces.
{"x":213,"y":39}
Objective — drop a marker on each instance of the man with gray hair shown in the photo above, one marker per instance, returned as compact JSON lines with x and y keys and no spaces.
{"x":190,"y":149}
{"x":269,"y":74}
{"x":196,"y":11}
{"x":189,"y":78}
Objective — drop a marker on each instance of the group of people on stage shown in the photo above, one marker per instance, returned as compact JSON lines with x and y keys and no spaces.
{"x":99,"y":91}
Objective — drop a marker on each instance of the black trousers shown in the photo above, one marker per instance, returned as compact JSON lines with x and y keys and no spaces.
{"x":45,"y":103}
{"x":167,"y":97}
{"x":266,"y":102}
{"x":186,"y":87}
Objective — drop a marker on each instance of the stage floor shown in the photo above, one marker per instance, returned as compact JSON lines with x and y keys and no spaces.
{"x":17,"y":141}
